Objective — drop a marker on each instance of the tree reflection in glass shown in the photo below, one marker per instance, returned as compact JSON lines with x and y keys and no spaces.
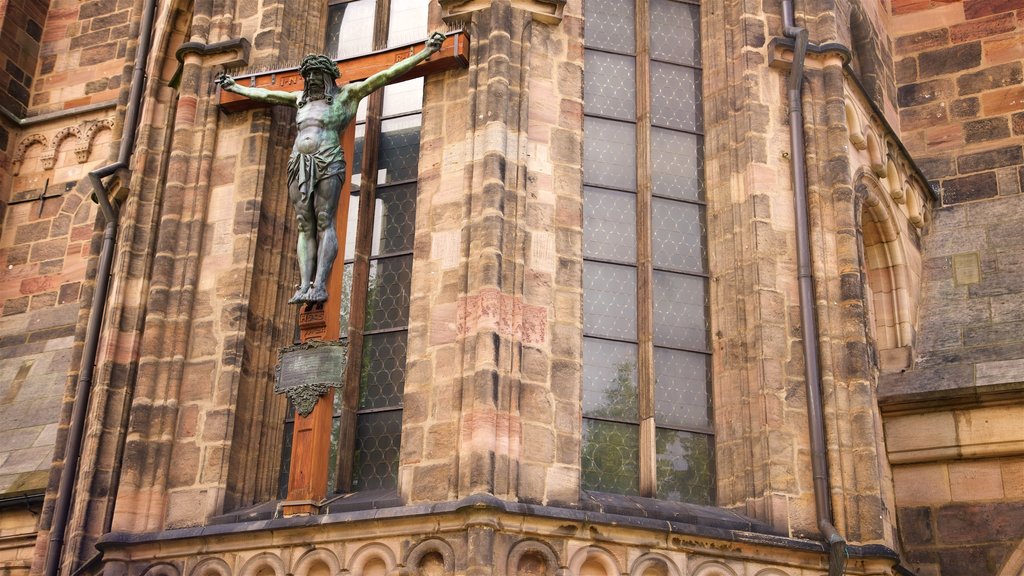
{"x":611,"y":446}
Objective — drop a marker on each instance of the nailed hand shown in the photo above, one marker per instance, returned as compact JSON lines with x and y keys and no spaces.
{"x":435,"y":41}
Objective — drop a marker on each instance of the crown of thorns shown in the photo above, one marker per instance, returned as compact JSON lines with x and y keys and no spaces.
{"x":319,"y":63}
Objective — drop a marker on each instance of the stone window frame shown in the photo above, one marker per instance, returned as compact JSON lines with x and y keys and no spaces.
{"x":358,"y":258}
{"x":645,"y":269}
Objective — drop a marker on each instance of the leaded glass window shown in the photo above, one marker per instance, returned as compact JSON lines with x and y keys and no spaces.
{"x":647,"y":426}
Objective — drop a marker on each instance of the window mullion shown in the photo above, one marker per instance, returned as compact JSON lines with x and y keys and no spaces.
{"x":360,"y":278}
{"x":382,"y":22}
{"x":644,"y":256}
{"x":360,"y":274}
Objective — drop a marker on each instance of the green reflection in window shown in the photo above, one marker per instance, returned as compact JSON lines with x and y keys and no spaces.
{"x":684,"y":466}
{"x":610,"y":457}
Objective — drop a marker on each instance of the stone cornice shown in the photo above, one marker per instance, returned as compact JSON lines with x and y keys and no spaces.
{"x":868,"y":121}
{"x":450,"y":518}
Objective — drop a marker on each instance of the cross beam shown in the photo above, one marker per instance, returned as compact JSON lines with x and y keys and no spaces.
{"x":454,"y":53}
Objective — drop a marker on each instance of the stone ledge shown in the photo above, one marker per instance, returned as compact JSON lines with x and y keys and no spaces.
{"x":941,"y":388}
{"x":954,"y":424}
{"x":620,"y":512}
{"x":25,"y":484}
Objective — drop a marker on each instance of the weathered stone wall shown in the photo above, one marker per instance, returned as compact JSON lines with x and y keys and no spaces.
{"x":960,"y":75}
{"x":952,"y":421}
{"x":186,"y":335}
{"x":762,"y":438}
{"x":49,"y":143}
{"x":47,"y":229}
{"x":959,"y":479}
{"x":215,"y":300}
{"x":17,"y":535}
{"x":21,"y":38}
{"x":863,"y":27}
{"x":495,"y":337}
{"x":84,"y":50}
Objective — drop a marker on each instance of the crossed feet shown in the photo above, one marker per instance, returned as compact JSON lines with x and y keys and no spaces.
{"x":313,"y":294}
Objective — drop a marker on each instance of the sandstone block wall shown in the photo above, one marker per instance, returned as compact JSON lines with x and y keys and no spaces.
{"x":17,"y":534}
{"x":956,"y":456}
{"x":48,"y":143}
{"x":959,"y":479}
{"x":21,"y":35}
{"x":959,"y":72}
{"x":495,"y":340}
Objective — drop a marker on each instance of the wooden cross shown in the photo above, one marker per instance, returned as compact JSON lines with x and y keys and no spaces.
{"x":311,"y":440}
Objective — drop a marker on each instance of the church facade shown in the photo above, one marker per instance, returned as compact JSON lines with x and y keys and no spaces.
{"x":645,"y":287}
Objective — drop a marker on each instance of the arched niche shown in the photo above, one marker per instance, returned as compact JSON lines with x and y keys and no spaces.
{"x":713,"y":568}
{"x":771,"y":572}
{"x":532,"y":558}
{"x":210,"y":567}
{"x":317,"y":562}
{"x":652,"y":564}
{"x":162,"y":569}
{"x":372,"y":560}
{"x":594,"y":561}
{"x":263,"y":564}
{"x":431,"y":557}
{"x":889,"y":297}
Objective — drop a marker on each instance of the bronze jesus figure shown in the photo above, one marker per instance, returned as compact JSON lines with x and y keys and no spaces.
{"x":316,"y":167}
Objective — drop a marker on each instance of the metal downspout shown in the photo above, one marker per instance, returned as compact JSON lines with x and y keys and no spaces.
{"x":73,"y":446}
{"x":835,"y":543}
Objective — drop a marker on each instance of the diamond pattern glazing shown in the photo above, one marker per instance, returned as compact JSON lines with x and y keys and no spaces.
{"x":609,"y":225}
{"x":378,"y":440}
{"x":399,"y":149}
{"x":675,"y":32}
{"x":680,"y":311}
{"x":610,"y":85}
{"x":678,"y":235}
{"x":681,"y":391}
{"x":610,"y":457}
{"x":609,"y":380}
{"x":612,"y":348}
{"x":609,"y":300}
{"x":387,"y":296}
{"x":609,"y":153}
{"x":383,"y":372}
{"x":677,"y":164}
{"x":610,"y":25}
{"x":676,"y":100}
{"x":394,"y":219}
{"x":684,"y":465}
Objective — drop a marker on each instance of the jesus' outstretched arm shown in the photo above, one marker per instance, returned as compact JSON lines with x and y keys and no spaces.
{"x":258,"y":94}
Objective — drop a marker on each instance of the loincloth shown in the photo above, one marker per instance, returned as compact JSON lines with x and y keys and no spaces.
{"x":308,"y":170}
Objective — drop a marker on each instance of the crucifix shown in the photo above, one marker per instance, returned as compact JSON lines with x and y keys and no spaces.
{"x":317,"y":181}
